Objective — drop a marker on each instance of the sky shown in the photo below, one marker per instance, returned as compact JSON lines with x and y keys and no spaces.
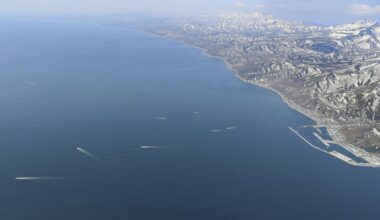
{"x":308,"y":11}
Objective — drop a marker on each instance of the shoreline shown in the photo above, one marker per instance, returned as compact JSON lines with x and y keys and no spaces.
{"x":372,"y":160}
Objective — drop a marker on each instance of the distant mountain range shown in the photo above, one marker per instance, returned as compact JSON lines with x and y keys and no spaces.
{"x":331,"y":74}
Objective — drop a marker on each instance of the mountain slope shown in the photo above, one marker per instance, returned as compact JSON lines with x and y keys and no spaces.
{"x":332,"y":74}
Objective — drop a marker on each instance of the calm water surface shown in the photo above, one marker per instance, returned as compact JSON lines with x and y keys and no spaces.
{"x":70,"y":84}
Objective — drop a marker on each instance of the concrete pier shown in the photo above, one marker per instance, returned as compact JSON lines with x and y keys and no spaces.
{"x":335,"y":154}
{"x":322,"y":140}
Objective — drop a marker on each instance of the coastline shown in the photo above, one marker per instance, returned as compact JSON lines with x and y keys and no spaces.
{"x":372,"y":161}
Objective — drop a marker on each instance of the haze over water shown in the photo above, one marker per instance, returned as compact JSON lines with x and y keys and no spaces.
{"x":155,"y":114}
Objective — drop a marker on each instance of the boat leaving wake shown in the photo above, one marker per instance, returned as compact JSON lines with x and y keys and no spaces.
{"x":40,"y":178}
{"x":151,"y":147}
{"x":88,"y":154}
{"x":160,"y":118}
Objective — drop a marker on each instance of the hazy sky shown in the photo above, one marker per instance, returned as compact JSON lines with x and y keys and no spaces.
{"x":316,"y":11}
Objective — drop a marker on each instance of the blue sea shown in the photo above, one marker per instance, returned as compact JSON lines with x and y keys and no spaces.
{"x":215,"y":147}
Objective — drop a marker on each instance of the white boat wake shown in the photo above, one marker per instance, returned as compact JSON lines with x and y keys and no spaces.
{"x":217,"y":130}
{"x":39,"y":178}
{"x":160,"y":118}
{"x":88,"y":154}
{"x":150,"y":147}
